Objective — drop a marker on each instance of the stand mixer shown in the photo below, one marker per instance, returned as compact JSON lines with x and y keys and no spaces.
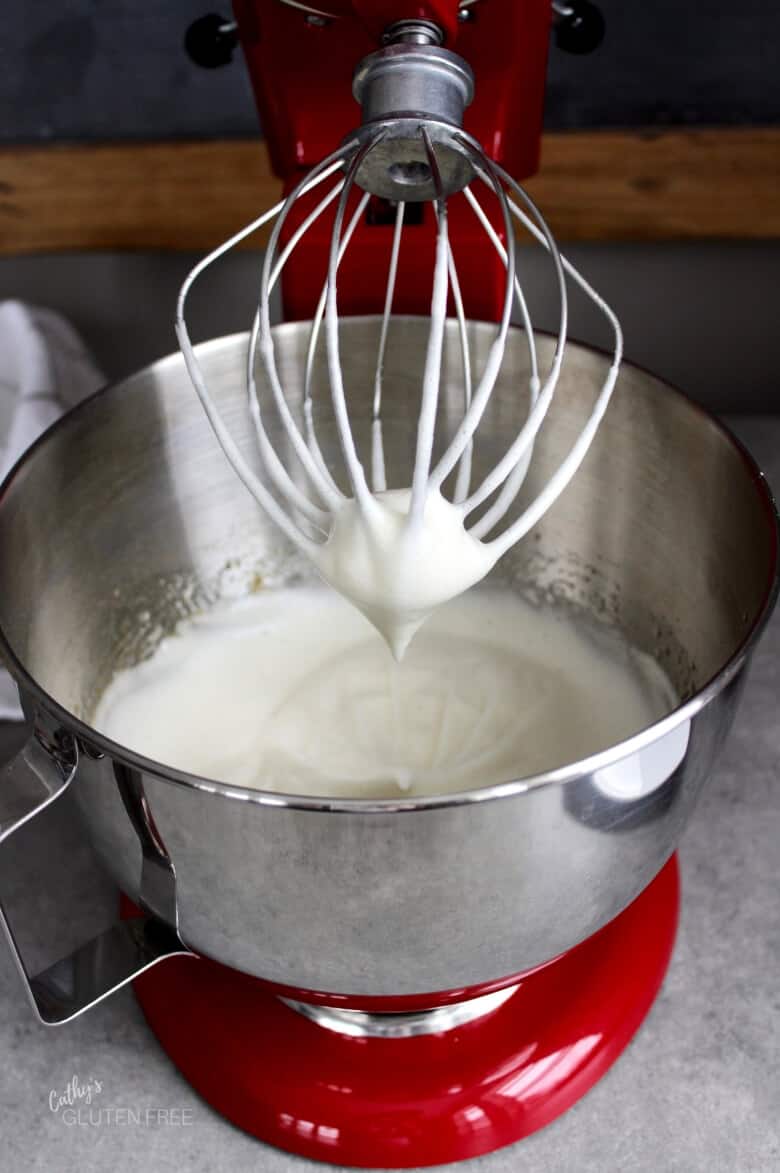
{"x":386,"y":983}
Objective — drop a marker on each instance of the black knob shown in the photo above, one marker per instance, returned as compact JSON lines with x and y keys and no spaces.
{"x":210,"y":41}
{"x":579,"y":26}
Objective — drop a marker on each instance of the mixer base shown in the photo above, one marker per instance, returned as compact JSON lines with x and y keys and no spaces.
{"x":425,"y":1100}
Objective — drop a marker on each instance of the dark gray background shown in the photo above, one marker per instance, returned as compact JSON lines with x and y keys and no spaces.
{"x":116,"y":69}
{"x":701,"y":314}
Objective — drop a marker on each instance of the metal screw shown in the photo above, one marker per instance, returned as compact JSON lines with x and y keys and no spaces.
{"x":413,"y":32}
{"x":466,"y":12}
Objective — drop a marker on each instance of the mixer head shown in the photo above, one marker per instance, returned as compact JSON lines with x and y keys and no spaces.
{"x":410,"y":151}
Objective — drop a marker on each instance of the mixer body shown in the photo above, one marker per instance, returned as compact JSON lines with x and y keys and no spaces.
{"x":669,"y":532}
{"x":301,"y":71}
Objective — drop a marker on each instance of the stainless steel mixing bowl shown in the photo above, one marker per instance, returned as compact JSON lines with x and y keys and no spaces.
{"x":125,"y":516}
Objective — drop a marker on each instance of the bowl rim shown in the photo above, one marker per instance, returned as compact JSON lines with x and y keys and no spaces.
{"x":98,"y":744}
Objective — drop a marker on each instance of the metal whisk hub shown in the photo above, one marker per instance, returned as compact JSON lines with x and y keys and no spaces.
{"x":398,"y":167}
{"x":400,"y":87}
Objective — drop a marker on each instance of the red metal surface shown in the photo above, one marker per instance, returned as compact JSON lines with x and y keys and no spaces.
{"x":363,"y":271}
{"x":421,"y":1101}
{"x":302,"y":78}
{"x":376,"y":15}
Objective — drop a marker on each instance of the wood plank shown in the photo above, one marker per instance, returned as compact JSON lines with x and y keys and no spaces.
{"x":684,"y":184}
{"x":130,"y":196}
{"x":610,"y":185}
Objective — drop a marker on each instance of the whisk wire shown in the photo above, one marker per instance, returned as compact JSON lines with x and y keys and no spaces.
{"x":463,"y":477}
{"x":566,"y":470}
{"x":265,"y":344}
{"x":233,"y":454}
{"x":355,"y":470}
{"x":537,"y":415}
{"x":295,"y":497}
{"x":487,"y":382}
{"x":314,"y":334}
{"x":433,"y":358}
{"x":378,"y":472}
{"x":252,"y":482}
{"x":515,"y":480}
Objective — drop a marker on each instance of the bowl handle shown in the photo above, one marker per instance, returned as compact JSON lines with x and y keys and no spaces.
{"x":39,"y":774}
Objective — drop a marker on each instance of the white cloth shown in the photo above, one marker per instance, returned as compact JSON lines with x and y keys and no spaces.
{"x":44,"y":370}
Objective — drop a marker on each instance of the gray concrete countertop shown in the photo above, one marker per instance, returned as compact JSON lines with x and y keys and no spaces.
{"x":697,"y":1090}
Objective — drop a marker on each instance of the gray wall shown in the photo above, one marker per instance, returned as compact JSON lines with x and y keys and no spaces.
{"x":116,"y":69}
{"x":702,"y":315}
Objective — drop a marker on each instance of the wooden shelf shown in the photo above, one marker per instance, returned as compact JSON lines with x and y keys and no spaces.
{"x":606,"y":185}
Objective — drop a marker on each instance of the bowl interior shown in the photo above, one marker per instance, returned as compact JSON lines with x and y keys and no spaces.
{"x":126,"y":516}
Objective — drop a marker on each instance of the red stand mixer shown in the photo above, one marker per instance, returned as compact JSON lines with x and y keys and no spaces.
{"x":406,"y":1081}
{"x":410,"y":983}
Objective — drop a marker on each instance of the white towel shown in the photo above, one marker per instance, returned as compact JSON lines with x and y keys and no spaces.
{"x":44,"y":370}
